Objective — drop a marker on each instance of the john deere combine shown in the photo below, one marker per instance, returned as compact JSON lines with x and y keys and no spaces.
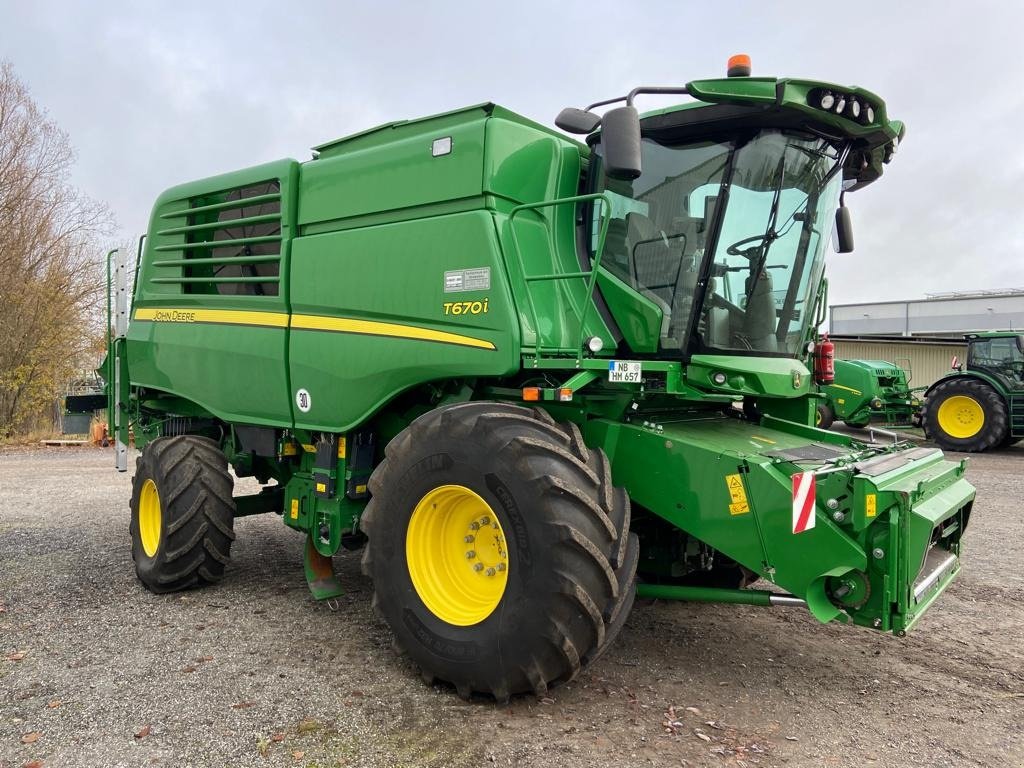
{"x":511,"y":366}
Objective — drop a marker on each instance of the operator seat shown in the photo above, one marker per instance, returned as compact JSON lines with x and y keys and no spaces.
{"x":759,"y":319}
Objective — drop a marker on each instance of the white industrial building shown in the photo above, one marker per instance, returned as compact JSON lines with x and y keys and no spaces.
{"x":922,"y":335}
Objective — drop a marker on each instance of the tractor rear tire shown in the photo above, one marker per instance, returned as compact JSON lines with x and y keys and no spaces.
{"x":963,"y":414}
{"x":499,"y":549}
{"x":825,"y":416}
{"x":182,"y":522}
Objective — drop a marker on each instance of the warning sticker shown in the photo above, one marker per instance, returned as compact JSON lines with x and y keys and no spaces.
{"x":457,"y":280}
{"x":870,"y":505}
{"x":295,"y":509}
{"x":737,"y":495}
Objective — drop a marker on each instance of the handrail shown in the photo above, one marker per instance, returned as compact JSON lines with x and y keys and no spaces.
{"x":110,"y":378}
{"x":591,"y":275}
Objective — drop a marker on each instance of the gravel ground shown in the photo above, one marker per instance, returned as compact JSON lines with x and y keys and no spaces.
{"x":96,"y":671}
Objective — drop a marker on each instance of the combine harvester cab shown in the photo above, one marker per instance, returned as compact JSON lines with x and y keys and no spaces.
{"x":530,"y":377}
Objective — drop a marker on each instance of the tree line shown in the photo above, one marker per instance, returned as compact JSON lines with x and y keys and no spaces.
{"x":52,"y":278}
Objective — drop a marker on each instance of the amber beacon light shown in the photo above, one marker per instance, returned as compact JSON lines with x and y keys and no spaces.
{"x":739,"y":65}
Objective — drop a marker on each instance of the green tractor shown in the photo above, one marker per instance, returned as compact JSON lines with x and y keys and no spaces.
{"x":982,"y":407}
{"x":511,"y":368}
{"x":867,"y":390}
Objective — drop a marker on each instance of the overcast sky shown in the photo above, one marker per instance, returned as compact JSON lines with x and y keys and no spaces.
{"x":156,"y":94}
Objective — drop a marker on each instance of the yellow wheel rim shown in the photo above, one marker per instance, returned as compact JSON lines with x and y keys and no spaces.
{"x":961,"y":416}
{"x":149,"y":518}
{"x":456,"y":554}
{"x":817,"y":417}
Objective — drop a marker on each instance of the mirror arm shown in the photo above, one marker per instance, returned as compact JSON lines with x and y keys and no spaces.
{"x":653,"y":89}
{"x":631,"y":96}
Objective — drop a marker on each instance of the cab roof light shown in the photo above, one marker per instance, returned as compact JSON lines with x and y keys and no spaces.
{"x":739,"y":65}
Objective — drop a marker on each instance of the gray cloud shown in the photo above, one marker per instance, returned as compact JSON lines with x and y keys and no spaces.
{"x":153,"y":95}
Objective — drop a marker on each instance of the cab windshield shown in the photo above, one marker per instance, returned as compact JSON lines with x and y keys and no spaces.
{"x":737,"y":227}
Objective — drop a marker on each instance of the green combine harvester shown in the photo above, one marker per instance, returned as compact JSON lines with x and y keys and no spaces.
{"x":865,"y":391}
{"x":531,"y":377}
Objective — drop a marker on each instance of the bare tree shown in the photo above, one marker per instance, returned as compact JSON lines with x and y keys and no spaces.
{"x":51,"y":276}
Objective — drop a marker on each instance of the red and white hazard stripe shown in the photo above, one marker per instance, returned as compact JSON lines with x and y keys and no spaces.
{"x":803,"y":501}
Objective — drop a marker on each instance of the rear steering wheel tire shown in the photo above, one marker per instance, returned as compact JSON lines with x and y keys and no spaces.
{"x":962,"y":414}
{"x":182,"y":514}
{"x":499,"y":549}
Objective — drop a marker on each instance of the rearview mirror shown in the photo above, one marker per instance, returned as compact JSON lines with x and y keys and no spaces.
{"x":620,"y":133}
{"x":577,"y":120}
{"x":844,"y":231}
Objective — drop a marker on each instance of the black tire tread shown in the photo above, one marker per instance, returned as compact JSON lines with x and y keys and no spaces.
{"x":827,"y":415}
{"x":198,"y":510}
{"x":996,"y":426}
{"x":590,"y":528}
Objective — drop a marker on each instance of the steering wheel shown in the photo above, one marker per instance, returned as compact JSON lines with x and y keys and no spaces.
{"x":748,"y":253}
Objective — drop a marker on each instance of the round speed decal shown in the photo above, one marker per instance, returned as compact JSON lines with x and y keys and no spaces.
{"x":303,"y":400}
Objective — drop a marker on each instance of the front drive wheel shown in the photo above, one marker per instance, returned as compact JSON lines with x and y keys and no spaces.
{"x":499,"y":549}
{"x":182,"y":513}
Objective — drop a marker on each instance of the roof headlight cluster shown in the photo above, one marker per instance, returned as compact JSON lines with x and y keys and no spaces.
{"x":845,"y":104}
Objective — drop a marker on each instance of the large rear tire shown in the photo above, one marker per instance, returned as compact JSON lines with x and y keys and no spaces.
{"x":182,"y":522}
{"x":962,"y":414}
{"x":499,"y":549}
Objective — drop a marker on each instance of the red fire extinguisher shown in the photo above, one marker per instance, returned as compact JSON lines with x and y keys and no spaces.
{"x":824,"y":361}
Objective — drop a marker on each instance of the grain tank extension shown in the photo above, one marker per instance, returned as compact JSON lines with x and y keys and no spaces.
{"x":519,"y":370}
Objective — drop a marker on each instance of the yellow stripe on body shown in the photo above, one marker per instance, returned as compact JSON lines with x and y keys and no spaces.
{"x":393,"y":330}
{"x":306,"y":323}
{"x":848,"y":389}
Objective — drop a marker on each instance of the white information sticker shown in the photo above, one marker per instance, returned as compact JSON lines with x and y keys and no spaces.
{"x":626,"y":371}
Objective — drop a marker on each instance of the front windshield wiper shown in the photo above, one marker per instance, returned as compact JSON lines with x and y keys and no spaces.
{"x":770,"y":235}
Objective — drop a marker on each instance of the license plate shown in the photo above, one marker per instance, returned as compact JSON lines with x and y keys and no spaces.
{"x":624,"y":371}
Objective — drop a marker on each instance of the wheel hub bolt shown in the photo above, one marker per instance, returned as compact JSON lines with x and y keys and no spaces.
{"x":474,"y":526}
{"x":478,"y":567}
{"x":501,"y":566}
{"x":470,"y":555}
{"x":491,"y":571}
{"x":469,"y":539}
{"x":485,"y":521}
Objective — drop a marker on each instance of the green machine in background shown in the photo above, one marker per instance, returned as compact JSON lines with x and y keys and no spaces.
{"x":868,"y":390}
{"x":979,"y":407}
{"x":507,"y":365}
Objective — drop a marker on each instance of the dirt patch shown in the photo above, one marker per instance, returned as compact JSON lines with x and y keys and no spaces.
{"x":95,"y":671}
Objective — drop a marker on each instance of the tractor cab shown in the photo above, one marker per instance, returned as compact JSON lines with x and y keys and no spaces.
{"x":999,"y":355}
